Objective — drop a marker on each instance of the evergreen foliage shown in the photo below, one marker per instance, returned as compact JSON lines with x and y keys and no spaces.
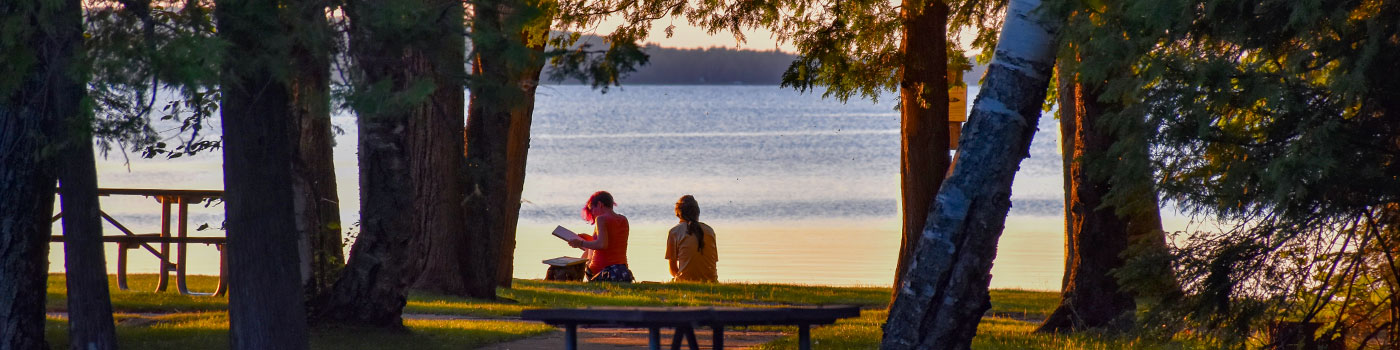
{"x":1280,"y":122}
{"x":141,"y":49}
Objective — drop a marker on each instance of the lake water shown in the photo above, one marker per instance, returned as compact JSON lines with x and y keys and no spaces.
{"x":799,"y":189}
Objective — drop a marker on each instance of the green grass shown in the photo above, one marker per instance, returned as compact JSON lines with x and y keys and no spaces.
{"x":140,"y":298}
{"x":209,"y":330}
{"x":201,"y":322}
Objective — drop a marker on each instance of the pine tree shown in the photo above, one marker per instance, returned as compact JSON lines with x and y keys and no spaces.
{"x":1275,"y":117}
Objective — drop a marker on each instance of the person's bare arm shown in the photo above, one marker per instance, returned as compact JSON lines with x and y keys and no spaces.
{"x":600,"y":243}
{"x":675,"y":270}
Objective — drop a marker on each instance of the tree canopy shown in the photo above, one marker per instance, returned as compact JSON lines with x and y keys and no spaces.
{"x":1278,"y":120}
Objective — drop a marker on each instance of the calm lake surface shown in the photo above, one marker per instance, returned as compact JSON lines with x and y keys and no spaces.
{"x":799,"y":189}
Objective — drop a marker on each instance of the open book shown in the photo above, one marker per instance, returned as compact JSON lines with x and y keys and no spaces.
{"x":565,"y":234}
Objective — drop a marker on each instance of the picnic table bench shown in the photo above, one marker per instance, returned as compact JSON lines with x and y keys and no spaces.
{"x":686,"y":319}
{"x":130,"y":240}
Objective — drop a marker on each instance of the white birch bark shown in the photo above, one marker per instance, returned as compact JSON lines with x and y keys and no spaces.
{"x":944,"y":292}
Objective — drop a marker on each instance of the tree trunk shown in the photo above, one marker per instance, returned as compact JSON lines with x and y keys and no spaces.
{"x":410,"y":153}
{"x":90,"y":321}
{"x":1096,"y":236}
{"x":944,"y":292}
{"x":266,"y":308}
{"x":27,"y":182}
{"x":314,"y":188}
{"x":923,"y":92}
{"x":90,"y":324}
{"x":526,"y":77}
{"x":1067,"y":102}
{"x":33,"y":103}
{"x":506,"y":69}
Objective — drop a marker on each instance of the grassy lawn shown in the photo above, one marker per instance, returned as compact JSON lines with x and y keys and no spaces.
{"x":209,"y":330}
{"x":201,"y":322}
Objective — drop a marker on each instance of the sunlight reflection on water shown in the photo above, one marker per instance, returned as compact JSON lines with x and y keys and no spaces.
{"x":799,"y":189}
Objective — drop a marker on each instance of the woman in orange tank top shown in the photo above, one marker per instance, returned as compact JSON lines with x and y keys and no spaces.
{"x":608,"y":245}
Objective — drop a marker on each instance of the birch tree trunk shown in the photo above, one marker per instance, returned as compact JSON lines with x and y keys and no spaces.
{"x":944,"y":292}
{"x":923,"y":93}
{"x":266,"y":304}
{"x":410,"y":118}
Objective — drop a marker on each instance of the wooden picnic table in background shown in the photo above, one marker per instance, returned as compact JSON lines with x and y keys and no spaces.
{"x":131,"y":240}
{"x":686,"y":319}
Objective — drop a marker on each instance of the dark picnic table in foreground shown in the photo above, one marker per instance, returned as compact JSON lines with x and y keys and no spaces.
{"x":686,"y":319}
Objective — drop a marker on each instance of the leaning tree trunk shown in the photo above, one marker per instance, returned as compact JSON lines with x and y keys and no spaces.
{"x":1096,"y":236}
{"x":410,"y":153}
{"x":314,"y":187}
{"x":505,"y":70}
{"x":923,"y":92}
{"x":944,"y":292}
{"x":266,"y":307}
{"x":90,"y":322}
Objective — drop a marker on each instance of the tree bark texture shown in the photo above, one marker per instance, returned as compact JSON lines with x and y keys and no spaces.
{"x":505,"y":72}
{"x":1096,"y":236}
{"x":923,"y":93}
{"x":27,"y":182}
{"x":90,"y":324}
{"x":266,"y":307}
{"x":314,"y":187}
{"x":1065,"y":111}
{"x":90,"y":321}
{"x":410,"y":153}
{"x":944,"y":291}
{"x":45,"y":48}
{"x":522,"y":77}
{"x":42,"y":48}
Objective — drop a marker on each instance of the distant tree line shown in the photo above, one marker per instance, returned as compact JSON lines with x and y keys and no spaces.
{"x":717,"y":66}
{"x":710,"y":66}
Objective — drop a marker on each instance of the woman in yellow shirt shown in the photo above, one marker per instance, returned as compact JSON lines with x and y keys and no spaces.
{"x":690,"y":247}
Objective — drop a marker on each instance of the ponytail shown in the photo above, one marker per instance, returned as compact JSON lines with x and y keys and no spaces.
{"x":689,"y":210}
{"x":693,"y":228}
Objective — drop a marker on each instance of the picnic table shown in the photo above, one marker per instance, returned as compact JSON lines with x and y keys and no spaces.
{"x":686,"y":319}
{"x":131,"y":240}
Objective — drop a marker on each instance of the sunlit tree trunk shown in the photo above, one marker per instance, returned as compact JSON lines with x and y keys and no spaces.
{"x":1067,"y":104}
{"x":1096,"y":236}
{"x":314,"y":187}
{"x":944,"y":291}
{"x":266,"y":307}
{"x":923,"y":92}
{"x":410,"y":116}
{"x":506,"y":69}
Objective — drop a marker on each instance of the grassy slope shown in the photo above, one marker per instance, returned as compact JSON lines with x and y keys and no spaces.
{"x":200,"y":322}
